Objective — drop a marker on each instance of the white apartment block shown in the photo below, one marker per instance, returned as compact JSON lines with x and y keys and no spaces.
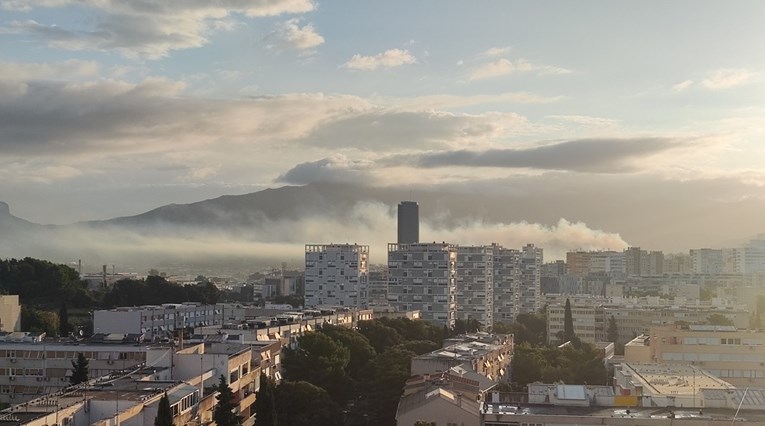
{"x":336,"y":274}
{"x":162,"y":321}
{"x":707,"y":261}
{"x":588,"y":322}
{"x":423,"y":276}
{"x":608,"y":262}
{"x":677,"y":263}
{"x":475,"y":284}
{"x":530,"y":289}
{"x":507,"y":278}
{"x":10,"y":313}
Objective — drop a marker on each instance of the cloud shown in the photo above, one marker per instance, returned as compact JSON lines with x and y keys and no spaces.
{"x":583,"y":155}
{"x":495,"y":51}
{"x":503,"y":67}
{"x":679,"y":87}
{"x":53,"y":119}
{"x":721,"y":79}
{"x":63,"y":70}
{"x":452,"y":101}
{"x":388,"y":59}
{"x":587,"y":121}
{"x":292,"y":36}
{"x":727,"y":78}
{"x":148,"y":29}
{"x":380,"y":129}
{"x":337,"y":168}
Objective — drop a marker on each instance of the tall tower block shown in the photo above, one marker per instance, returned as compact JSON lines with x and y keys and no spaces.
{"x":408,"y":222}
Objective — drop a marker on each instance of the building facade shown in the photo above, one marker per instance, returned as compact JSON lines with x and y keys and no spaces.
{"x":530,"y":286}
{"x":507,"y":277}
{"x":736,"y":356}
{"x":423,"y":277}
{"x":408,"y":222}
{"x":475,"y":284}
{"x":10,"y":313}
{"x":335,"y":274}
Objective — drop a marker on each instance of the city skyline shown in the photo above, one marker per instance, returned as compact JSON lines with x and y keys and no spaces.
{"x":602,"y":126}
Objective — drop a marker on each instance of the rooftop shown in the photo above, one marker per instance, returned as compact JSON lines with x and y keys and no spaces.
{"x":674,"y":379}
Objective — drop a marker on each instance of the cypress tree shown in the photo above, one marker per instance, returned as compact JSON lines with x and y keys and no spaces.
{"x":79,"y":370}
{"x":164,"y":414}
{"x":265,"y":404}
{"x":63,"y":320}
{"x":224,"y":415}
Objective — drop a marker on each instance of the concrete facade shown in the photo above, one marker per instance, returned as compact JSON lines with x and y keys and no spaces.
{"x":336,"y":274}
{"x":736,"y":356}
{"x":10,"y":313}
{"x":475,"y":284}
{"x":423,"y":277}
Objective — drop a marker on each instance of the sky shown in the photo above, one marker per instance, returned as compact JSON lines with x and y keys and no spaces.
{"x":114,"y":107}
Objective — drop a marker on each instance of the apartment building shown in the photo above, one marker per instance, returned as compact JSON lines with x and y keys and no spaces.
{"x":734,"y":355}
{"x":488,"y":355}
{"x":423,"y":277}
{"x":707,"y":261}
{"x":530,"y":288}
{"x":162,"y":321}
{"x":507,"y":278}
{"x":588,"y":323}
{"x":31,"y":365}
{"x":336,"y":274}
{"x":633,"y":317}
{"x":10,"y":313}
{"x":475,"y":284}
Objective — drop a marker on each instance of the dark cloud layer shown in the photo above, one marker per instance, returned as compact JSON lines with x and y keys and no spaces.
{"x":583,"y":155}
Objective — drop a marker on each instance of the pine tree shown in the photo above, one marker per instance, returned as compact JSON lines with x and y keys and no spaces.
{"x":265,"y":404}
{"x":164,"y":414}
{"x":613,"y":331}
{"x":568,"y":323}
{"x":224,"y":415}
{"x":63,"y":320}
{"x":79,"y":370}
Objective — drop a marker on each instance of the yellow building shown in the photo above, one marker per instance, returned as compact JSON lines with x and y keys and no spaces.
{"x":736,"y":356}
{"x":10,"y":313}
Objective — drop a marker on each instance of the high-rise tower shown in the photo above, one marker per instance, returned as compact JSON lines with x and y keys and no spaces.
{"x":408,"y":222}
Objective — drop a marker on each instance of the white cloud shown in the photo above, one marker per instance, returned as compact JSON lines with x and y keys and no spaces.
{"x":149,"y":29}
{"x":388,"y":59}
{"x":64,"y":70}
{"x":587,"y":121}
{"x":292,"y":36}
{"x":506,"y":67}
{"x":727,"y":78}
{"x":495,"y":51}
{"x":679,"y":87}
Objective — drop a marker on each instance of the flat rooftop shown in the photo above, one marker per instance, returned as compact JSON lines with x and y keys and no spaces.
{"x":675,"y":379}
{"x":756,"y":417}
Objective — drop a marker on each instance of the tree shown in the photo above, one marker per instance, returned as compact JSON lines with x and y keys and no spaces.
{"x":361,"y":351}
{"x":63,"y":320}
{"x":265,"y":403}
{"x":224,"y":415}
{"x":303,"y":404}
{"x":79,"y":370}
{"x":718,"y":319}
{"x":164,"y":414}
{"x":568,"y":322}
{"x":380,"y":336}
{"x":613,"y":330}
{"x":320,"y":361}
